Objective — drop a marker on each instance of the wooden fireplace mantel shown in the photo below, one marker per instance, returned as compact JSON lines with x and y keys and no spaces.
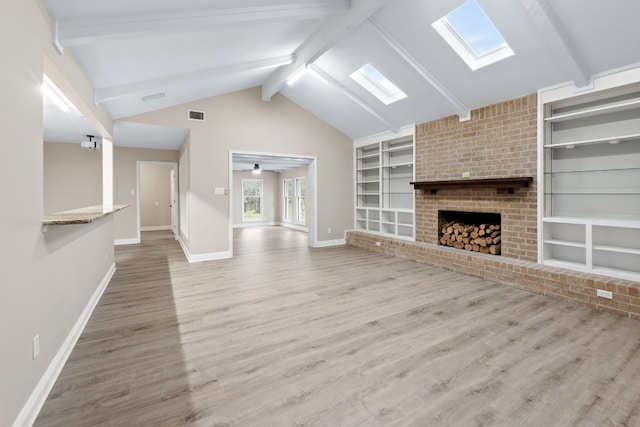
{"x":510,"y":183}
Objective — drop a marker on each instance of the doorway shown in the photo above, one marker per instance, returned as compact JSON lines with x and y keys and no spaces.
{"x":157,"y":201}
{"x":258,"y":182}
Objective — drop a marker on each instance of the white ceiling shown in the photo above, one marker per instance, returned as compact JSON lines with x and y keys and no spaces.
{"x":246,"y":162}
{"x":65,"y":127}
{"x":194,"y":49}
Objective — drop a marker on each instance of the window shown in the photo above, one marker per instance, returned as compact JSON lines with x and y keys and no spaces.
{"x":472,"y":35}
{"x":287,"y":194}
{"x":301,"y":201}
{"x":377,"y":84}
{"x":252,"y":200}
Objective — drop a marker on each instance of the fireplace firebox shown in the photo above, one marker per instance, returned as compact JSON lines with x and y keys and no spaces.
{"x":470,"y":231}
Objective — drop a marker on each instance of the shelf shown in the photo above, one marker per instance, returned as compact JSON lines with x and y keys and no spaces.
{"x":383,"y":172}
{"x":595,"y":221}
{"x":622,"y":138}
{"x":591,"y":176}
{"x":398,"y":148}
{"x":591,"y":170}
{"x":628,"y":104}
{"x":565,"y":264}
{"x":399,"y":165}
{"x":566,"y":243}
{"x":508,"y":183}
{"x":616,"y":249}
{"x":610,"y":193}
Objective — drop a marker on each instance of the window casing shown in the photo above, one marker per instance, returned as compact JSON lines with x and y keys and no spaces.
{"x":251,"y":200}
{"x":377,"y":84}
{"x":301,"y":201}
{"x":287,"y":200}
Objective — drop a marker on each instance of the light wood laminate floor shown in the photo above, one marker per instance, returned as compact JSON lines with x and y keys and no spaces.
{"x":283,"y":335}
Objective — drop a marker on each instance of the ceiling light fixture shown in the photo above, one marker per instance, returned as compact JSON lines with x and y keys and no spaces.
{"x":256,"y":169}
{"x":55,"y":95}
{"x":91,"y":144}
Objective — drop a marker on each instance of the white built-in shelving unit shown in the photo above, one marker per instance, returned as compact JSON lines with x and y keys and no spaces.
{"x":590,"y":175}
{"x":384,"y":196}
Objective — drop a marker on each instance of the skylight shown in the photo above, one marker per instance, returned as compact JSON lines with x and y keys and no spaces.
{"x":377,"y":84}
{"x":472,"y":35}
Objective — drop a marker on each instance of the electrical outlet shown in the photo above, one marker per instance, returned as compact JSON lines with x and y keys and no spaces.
{"x":329,"y":230}
{"x":466,"y":174}
{"x":604,"y":294}
{"x":378,"y":244}
{"x":35,"y":350}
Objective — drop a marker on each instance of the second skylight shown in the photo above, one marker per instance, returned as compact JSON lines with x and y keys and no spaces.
{"x":377,"y":84}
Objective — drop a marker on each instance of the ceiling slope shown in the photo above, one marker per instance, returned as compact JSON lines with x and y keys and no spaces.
{"x":140,"y":61}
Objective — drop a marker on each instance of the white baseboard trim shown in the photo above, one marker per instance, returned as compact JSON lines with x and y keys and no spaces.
{"x":254,"y":224}
{"x":294,"y":226}
{"x":32,"y":408}
{"x":327,"y":243}
{"x":156,"y":228}
{"x":119,"y":242}
{"x":203,"y":257}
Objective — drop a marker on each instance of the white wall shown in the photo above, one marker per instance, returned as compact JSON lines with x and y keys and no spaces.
{"x":275,"y":127}
{"x":72,"y":177}
{"x":47,"y":278}
{"x":155,"y":195}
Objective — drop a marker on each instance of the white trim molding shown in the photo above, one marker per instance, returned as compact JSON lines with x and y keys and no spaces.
{"x":328,"y":243}
{"x":312,"y":196}
{"x":191,"y":258}
{"x":156,"y":228}
{"x":294,"y":226}
{"x":120,"y":242}
{"x":255,"y":224}
{"x":32,"y":408}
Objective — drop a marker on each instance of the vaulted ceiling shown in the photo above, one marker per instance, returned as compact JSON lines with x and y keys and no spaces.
{"x":144,"y":55}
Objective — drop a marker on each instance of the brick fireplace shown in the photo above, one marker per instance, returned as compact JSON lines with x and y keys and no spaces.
{"x":499,"y":141}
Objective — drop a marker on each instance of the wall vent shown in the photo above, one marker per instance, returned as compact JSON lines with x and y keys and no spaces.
{"x":196,"y":115}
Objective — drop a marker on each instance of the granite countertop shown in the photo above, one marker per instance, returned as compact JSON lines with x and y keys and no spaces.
{"x":81,"y":216}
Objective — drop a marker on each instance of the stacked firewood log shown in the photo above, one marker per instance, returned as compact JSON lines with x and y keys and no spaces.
{"x":483,"y":238}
